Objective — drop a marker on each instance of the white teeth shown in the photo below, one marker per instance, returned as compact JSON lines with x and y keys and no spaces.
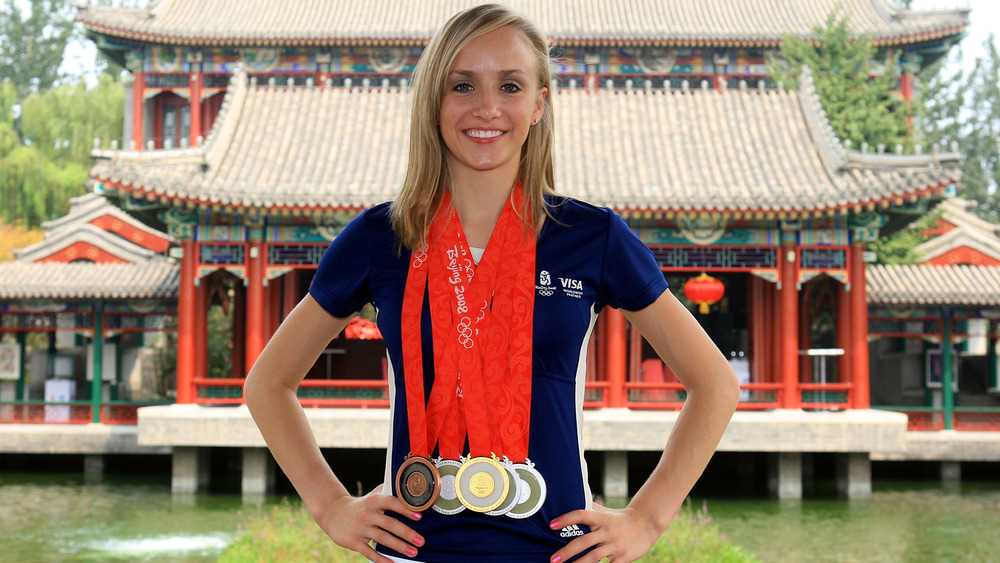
{"x":483,"y":134}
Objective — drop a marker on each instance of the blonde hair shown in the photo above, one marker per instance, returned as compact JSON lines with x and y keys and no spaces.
{"x":427,"y":173}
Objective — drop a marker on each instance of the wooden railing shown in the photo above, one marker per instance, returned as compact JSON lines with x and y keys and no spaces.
{"x":71,"y":412}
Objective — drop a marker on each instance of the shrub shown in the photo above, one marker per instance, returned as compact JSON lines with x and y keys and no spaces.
{"x":286,"y":532}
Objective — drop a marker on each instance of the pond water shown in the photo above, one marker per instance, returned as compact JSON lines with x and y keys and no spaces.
{"x":64,"y":517}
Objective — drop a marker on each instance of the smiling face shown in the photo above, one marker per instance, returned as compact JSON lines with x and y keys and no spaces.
{"x":491,"y":99}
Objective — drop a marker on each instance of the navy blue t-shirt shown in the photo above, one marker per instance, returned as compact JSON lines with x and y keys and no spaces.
{"x":586,"y":258}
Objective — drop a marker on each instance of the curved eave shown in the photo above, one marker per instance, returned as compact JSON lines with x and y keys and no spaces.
{"x":874,"y":204}
{"x":193,"y":202}
{"x":200,"y":40}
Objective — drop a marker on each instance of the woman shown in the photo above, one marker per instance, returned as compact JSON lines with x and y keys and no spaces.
{"x":487,"y":287}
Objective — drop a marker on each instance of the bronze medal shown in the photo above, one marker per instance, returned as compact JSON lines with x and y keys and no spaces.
{"x":418,"y":483}
{"x":482,"y":484}
{"x":531,"y":495}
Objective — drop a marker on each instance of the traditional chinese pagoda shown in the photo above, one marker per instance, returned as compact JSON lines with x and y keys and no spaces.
{"x":253,"y":136}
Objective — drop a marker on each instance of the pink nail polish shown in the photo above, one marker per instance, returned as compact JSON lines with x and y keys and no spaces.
{"x":417,"y":515}
{"x":556,"y":558}
{"x":555,"y":526}
{"x":411,"y":551}
{"x":418,"y":540}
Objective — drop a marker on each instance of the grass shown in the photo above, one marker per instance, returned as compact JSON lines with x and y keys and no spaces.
{"x":286,"y":532}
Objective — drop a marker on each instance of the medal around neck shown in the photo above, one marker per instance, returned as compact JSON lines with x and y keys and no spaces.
{"x":513,"y":494}
{"x":531,"y":493}
{"x":447,"y":502}
{"x":418,"y":483}
{"x":482,"y":484}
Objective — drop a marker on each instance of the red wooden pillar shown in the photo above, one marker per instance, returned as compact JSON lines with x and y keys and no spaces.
{"x":239,"y":330}
{"x":194,"y":82}
{"x":616,"y":359}
{"x":844,"y":334}
{"x":858,"y":349}
{"x":906,"y":86}
{"x":186,"y":322}
{"x":256,"y":329}
{"x":201,"y":329}
{"x":789,"y":330}
{"x":138,"y":107}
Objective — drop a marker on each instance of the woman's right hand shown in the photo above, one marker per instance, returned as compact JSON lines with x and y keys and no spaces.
{"x":352,"y":522}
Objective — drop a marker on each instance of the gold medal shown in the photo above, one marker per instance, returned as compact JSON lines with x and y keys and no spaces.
{"x":482,"y":484}
{"x":447,"y":502}
{"x":531,"y":495}
{"x":418,"y":483}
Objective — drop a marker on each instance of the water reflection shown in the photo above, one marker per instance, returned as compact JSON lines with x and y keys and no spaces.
{"x":901,"y":522}
{"x":59,"y":517}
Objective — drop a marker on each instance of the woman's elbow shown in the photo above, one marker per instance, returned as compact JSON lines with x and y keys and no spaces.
{"x":729,"y":388}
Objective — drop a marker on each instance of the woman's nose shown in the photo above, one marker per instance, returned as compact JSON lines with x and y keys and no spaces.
{"x":487,"y":105}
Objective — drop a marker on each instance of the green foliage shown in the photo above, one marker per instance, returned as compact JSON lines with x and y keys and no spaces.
{"x":286,"y":532}
{"x":32,"y":43}
{"x":898,"y":248}
{"x":964,"y":108}
{"x":64,"y":121}
{"x":859,"y":102}
{"x":220,"y":342}
{"x":692,"y":537}
{"x":46,"y":160}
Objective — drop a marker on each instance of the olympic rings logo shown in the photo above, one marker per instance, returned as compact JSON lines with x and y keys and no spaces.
{"x":465,"y":334}
{"x":419,"y":258}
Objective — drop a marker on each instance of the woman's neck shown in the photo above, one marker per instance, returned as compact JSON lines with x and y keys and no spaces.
{"x":479,"y":207}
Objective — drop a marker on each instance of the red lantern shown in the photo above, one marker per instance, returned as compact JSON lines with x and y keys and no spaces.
{"x":704,"y":290}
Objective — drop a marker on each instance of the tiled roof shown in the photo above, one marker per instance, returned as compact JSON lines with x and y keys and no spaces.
{"x":933,"y":285}
{"x":88,"y":235}
{"x":88,"y":207}
{"x":970,"y":231}
{"x":87,"y":280}
{"x":145,"y":273}
{"x":75,"y":227}
{"x":652,"y":22}
{"x":637,"y":149}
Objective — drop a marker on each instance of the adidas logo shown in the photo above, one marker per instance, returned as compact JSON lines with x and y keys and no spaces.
{"x":571,"y":531}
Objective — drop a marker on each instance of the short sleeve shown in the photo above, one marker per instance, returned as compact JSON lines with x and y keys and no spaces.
{"x":630,"y":277}
{"x":340,"y":284}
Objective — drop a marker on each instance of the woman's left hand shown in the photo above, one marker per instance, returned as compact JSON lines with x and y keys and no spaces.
{"x":621,"y":535}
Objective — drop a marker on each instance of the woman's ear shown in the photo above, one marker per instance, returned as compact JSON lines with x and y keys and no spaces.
{"x":543,"y":96}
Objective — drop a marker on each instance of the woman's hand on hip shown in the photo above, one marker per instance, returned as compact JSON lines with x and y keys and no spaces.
{"x":353,"y":522}
{"x":621,"y":535}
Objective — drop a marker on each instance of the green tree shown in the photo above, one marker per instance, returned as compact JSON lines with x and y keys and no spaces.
{"x":898,"y":248}
{"x":963,"y":107}
{"x":45,"y":160}
{"x":858,"y":100}
{"x":32,"y":44}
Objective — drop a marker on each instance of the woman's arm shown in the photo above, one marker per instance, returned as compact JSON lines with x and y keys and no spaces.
{"x":270,"y":393}
{"x":712,"y":396}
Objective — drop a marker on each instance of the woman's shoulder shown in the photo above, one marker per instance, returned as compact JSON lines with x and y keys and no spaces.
{"x":571,"y":214}
{"x":564,"y":208}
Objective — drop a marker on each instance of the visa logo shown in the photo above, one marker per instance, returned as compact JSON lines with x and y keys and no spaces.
{"x":569,"y":283}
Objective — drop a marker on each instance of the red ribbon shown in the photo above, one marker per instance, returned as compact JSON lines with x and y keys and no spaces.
{"x":481,"y":318}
